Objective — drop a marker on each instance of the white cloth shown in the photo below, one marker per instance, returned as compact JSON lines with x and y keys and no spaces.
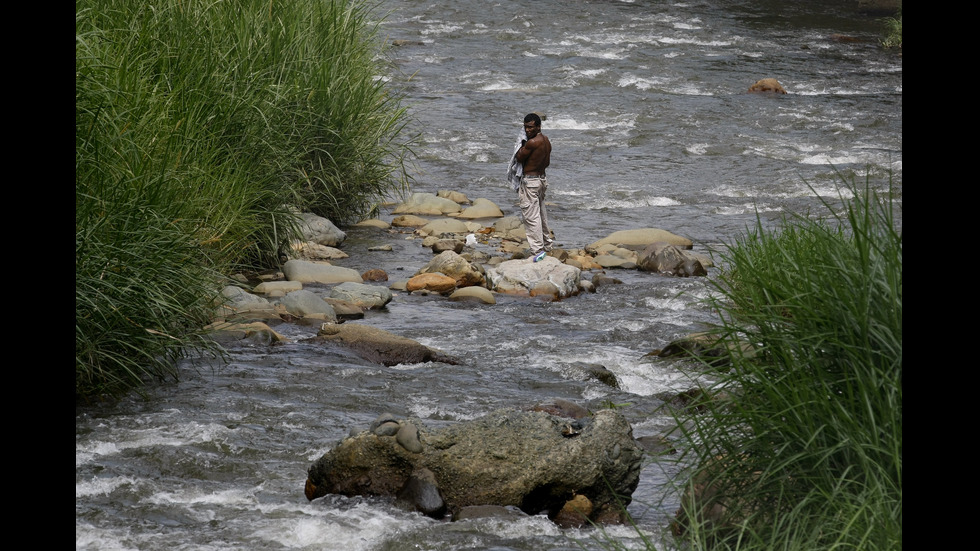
{"x":515,"y":170}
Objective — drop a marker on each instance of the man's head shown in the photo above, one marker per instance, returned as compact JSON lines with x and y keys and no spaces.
{"x":532,"y":125}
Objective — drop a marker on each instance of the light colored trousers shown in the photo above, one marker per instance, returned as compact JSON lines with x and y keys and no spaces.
{"x":531,"y":193}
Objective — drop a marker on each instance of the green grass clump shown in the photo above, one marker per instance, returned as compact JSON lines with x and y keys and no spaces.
{"x":201,"y":128}
{"x":893,"y":32}
{"x":799,"y":445}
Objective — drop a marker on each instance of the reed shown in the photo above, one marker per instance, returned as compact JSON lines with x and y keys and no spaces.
{"x":799,"y":443}
{"x":201,"y":128}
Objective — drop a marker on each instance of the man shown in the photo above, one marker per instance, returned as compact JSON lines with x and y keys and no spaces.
{"x":534,"y":156}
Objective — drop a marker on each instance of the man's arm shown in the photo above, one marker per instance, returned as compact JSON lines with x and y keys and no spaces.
{"x":527,"y":147}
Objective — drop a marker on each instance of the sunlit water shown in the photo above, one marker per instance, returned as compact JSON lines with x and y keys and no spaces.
{"x":645,"y":106}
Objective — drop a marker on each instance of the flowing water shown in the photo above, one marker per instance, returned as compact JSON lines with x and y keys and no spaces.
{"x":646,"y":108}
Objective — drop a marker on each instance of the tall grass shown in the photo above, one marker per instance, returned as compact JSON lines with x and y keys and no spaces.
{"x":800,"y":444}
{"x":201,"y":127}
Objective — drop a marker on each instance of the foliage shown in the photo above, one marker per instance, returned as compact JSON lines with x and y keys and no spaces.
{"x":893,"y":32}
{"x":201,"y":128}
{"x":799,"y":445}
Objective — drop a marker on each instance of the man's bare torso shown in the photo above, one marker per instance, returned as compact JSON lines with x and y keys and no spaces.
{"x":535,"y":154}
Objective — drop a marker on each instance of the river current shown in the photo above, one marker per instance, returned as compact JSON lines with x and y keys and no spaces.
{"x":645,"y":103}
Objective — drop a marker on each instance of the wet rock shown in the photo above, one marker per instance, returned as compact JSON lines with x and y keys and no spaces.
{"x":436,"y":283}
{"x":408,"y":437}
{"x":377,"y":345}
{"x":421,"y":493}
{"x":768,"y":85}
{"x":474,"y":294}
{"x":375,"y":274}
{"x":362,"y":294}
{"x":507,"y":458}
{"x":638,"y":239}
{"x":451,"y":264}
{"x":665,"y":258}
{"x":547,"y":277}
{"x":303,"y":302}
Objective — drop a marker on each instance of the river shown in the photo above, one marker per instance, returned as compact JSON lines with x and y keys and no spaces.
{"x":645,"y":104}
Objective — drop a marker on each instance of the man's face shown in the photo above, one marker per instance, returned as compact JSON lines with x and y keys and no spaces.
{"x":531,"y":129}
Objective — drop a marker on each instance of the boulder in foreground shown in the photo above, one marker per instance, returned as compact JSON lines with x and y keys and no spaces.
{"x":575,"y":470}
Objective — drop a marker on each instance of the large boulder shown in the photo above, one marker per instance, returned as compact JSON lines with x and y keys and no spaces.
{"x":379,"y":346}
{"x":548,"y":278}
{"x":638,"y":239}
{"x":531,"y":460}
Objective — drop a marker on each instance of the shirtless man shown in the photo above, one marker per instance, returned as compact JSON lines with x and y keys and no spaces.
{"x":535,"y":156}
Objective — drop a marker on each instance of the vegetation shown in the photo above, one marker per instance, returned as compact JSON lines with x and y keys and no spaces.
{"x":893,"y":31}
{"x":799,"y":443}
{"x":201,"y":128}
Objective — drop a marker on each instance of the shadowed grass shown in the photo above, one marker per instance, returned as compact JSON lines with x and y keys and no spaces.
{"x":800,"y":442}
{"x":201,"y":128}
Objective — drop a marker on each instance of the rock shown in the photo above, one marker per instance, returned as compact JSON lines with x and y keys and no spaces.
{"x":638,"y":239}
{"x":421,"y":494}
{"x":256,"y":332}
{"x":309,"y":250}
{"x":601,"y":279}
{"x":427,"y":204}
{"x":482,"y":208}
{"x":768,"y":85}
{"x":375,"y":274}
{"x":475,"y":294}
{"x":434,"y":283}
{"x":409,"y":221}
{"x":270,"y":287}
{"x":453,"y":196}
{"x":520,"y":277}
{"x":306,"y":271}
{"x":504,"y":459}
{"x":379,"y":346}
{"x":610,"y":261}
{"x":344,"y":310}
{"x":443,"y":226}
{"x":509,"y":224}
{"x":303,"y":302}
{"x":408,"y":437}
{"x":373,"y":223}
{"x":440,"y":246}
{"x":599,"y":373}
{"x":665,"y":258}
{"x":362,"y":294}
{"x":320,"y":230}
{"x":563,"y":408}
{"x":575,"y":513}
{"x":240,"y":305}
{"x":451,"y":264}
